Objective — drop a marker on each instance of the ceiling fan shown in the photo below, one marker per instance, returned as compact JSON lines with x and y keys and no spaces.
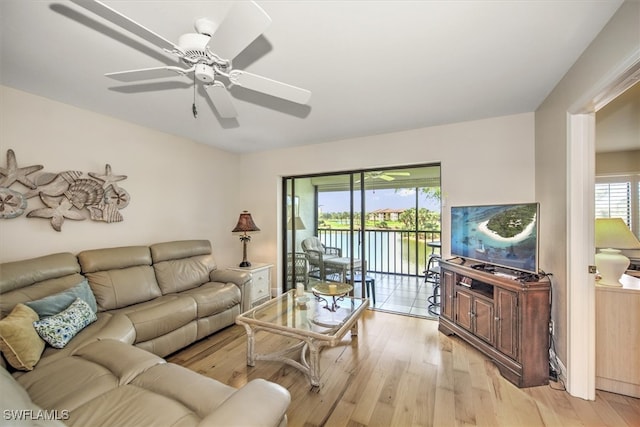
{"x":207,"y":54}
{"x":386,"y":176}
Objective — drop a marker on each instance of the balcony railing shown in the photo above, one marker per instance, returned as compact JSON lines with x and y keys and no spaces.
{"x":386,"y":251}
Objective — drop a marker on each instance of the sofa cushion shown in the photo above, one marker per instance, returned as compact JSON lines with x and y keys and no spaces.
{"x":179,"y":249}
{"x":59,"y":329}
{"x":120,"y":288}
{"x":32,"y":279}
{"x":110,"y":383}
{"x":120,"y":277}
{"x":90,"y":371}
{"x":182,"y":274}
{"x":171,"y":380}
{"x":132,"y":406}
{"x":157,"y":390}
{"x":182,"y":265}
{"x":214,"y":297}
{"x":113,"y":258}
{"x":114,"y":326}
{"x":19,"y":274}
{"x":16,"y":400}
{"x":54,"y":304}
{"x":19,"y":341}
{"x":160,"y":316}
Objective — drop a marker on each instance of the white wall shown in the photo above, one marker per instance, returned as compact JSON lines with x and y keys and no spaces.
{"x":179,"y":189}
{"x":484,"y":161}
{"x":617,"y":42}
{"x":618,"y":162}
{"x":182,"y":190}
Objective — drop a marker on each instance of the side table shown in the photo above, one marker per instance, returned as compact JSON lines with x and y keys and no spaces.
{"x":260,"y":290}
{"x":618,"y":337}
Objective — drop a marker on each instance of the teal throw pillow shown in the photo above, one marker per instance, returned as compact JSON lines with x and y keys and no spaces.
{"x":54,"y":304}
{"x":58,"y":329}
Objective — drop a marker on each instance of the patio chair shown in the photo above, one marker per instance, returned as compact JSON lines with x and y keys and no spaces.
{"x":317,"y":253}
{"x":298,"y":265}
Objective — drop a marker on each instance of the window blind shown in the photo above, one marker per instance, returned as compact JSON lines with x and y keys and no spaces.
{"x":613,"y":200}
{"x":618,"y":196}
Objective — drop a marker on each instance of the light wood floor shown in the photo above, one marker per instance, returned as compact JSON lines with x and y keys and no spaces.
{"x":400,"y":371}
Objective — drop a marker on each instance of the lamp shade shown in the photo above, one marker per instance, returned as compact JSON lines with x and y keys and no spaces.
{"x":611,"y":235}
{"x":614,"y":233}
{"x":295,"y":223}
{"x":245,"y":223}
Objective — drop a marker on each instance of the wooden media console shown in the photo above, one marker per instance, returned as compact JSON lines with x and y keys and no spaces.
{"x":506,"y":318}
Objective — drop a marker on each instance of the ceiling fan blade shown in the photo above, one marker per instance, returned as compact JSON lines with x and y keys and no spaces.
{"x":242,"y":25}
{"x":398,"y":173}
{"x":221,"y":100}
{"x":270,"y":87}
{"x":386,"y":177}
{"x":128,"y":24}
{"x":147,"y":73}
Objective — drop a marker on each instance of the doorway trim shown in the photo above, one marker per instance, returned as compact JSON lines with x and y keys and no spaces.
{"x":581,"y":337}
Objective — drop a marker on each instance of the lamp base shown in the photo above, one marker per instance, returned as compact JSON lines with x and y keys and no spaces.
{"x":245,"y":264}
{"x":611,"y":265}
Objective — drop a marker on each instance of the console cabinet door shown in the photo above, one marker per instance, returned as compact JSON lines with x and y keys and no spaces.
{"x":447,"y":281}
{"x":483,"y":319}
{"x":507,"y":322}
{"x":464,"y":309}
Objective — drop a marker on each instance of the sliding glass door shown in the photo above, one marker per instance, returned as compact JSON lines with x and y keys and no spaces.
{"x":383,"y":221}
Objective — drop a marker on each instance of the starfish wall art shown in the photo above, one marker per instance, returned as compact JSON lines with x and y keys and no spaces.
{"x":66,"y":195}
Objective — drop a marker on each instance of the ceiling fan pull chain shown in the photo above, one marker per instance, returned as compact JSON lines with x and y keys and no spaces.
{"x":194,"y":110}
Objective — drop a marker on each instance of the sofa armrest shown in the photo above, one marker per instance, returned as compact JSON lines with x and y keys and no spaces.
{"x":239,"y":278}
{"x":268,"y":402}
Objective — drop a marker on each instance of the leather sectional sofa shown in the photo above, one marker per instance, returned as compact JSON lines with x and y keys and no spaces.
{"x":130,"y":306}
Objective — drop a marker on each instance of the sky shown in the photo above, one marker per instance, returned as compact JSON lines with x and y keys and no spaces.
{"x":338,"y":201}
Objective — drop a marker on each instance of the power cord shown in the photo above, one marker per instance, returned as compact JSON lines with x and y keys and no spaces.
{"x":553,"y":360}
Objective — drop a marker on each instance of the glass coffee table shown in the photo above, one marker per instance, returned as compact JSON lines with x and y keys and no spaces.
{"x":306,"y":319}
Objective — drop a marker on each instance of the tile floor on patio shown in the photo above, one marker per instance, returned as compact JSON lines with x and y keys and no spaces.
{"x":400,"y":294}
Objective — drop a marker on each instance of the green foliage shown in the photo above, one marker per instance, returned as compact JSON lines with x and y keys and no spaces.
{"x":426,"y":220}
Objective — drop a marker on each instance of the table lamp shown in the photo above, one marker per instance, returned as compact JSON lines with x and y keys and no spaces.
{"x":245,"y":224}
{"x":612,"y":234}
{"x":295,"y":223}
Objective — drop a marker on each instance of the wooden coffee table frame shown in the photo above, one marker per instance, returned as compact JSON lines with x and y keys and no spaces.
{"x":312,"y":342}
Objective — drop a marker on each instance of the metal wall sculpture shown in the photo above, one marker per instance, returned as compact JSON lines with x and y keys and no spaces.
{"x":66,"y":195}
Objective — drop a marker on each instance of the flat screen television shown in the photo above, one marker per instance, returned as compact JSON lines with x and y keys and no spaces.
{"x":499,"y":235}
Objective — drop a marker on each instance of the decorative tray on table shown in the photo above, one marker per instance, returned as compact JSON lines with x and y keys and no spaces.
{"x":336,"y":291}
{"x":332,"y":289}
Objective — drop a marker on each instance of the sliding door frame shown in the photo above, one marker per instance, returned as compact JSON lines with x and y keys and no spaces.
{"x":354,"y":234}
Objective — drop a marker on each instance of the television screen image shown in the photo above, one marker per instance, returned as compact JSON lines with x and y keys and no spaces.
{"x":501,"y":235}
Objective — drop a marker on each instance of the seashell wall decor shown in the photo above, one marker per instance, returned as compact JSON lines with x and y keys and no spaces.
{"x":65,"y":195}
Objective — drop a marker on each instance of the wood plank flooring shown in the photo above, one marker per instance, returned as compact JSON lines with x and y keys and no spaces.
{"x":400,"y":371}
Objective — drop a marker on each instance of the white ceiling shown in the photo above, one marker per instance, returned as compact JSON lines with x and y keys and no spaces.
{"x":372,"y":66}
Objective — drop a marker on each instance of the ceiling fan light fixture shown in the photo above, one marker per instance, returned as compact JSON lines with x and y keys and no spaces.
{"x":205,"y":26}
{"x":204,"y":73}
